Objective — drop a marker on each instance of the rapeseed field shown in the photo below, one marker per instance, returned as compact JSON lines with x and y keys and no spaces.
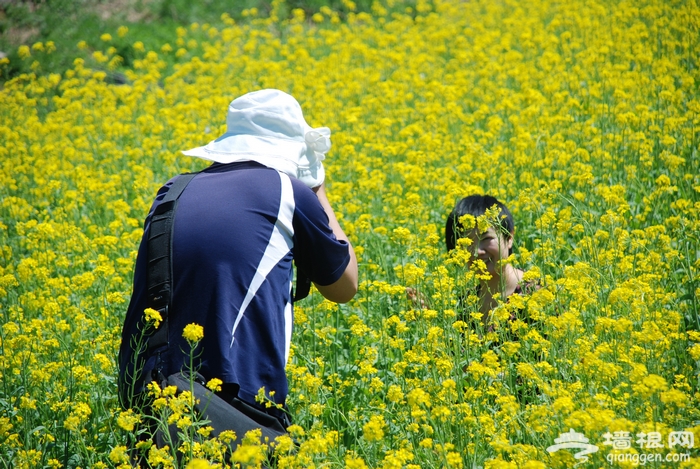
{"x":582,"y":116}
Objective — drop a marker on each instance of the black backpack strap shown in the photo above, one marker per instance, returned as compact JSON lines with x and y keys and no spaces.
{"x":160,"y":270}
{"x":303,"y":285}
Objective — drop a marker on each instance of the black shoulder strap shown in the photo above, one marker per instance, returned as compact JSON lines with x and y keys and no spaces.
{"x":303,"y":285}
{"x":160,"y":268}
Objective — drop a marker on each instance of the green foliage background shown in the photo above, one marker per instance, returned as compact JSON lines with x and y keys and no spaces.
{"x":67,"y":22}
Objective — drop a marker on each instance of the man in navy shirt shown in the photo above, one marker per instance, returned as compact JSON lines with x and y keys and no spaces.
{"x":238,"y":227}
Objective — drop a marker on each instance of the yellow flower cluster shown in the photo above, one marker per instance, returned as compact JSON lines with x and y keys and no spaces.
{"x":193,"y":333}
{"x":581,"y":116}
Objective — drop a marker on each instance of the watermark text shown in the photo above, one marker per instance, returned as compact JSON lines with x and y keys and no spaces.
{"x":640,"y":459}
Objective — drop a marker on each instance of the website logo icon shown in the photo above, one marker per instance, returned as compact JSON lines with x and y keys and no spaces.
{"x":574,"y":440}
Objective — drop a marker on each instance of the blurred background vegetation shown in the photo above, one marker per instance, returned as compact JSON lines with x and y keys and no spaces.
{"x":65,"y":23}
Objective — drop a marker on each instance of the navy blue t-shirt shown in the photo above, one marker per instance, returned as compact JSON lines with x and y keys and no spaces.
{"x":238,"y":227}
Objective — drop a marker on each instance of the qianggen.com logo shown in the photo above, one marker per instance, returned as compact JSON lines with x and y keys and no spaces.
{"x":622,"y":440}
{"x":638,"y":459}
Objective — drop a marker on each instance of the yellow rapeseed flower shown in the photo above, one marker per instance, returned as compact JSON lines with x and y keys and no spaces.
{"x":374,"y":429}
{"x":214,"y":384}
{"x":128,"y":419}
{"x":193,"y":333}
{"x":198,"y":464}
{"x":153,"y":317}
{"x":23,"y":52}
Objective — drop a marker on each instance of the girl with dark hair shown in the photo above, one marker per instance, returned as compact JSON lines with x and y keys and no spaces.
{"x":490,"y":244}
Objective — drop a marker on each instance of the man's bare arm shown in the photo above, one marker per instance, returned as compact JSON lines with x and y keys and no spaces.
{"x":343,"y":289}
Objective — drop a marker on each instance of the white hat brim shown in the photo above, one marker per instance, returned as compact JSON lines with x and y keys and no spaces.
{"x":280,"y":154}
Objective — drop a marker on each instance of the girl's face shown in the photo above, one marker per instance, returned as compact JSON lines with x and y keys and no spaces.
{"x":491,"y":247}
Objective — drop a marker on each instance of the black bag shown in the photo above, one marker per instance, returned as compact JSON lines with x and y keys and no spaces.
{"x":222,"y":413}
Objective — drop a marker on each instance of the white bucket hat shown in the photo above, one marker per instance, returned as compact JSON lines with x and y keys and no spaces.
{"x":268,"y":126}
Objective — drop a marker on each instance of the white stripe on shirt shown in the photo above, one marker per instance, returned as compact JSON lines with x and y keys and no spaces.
{"x":279,"y":245}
